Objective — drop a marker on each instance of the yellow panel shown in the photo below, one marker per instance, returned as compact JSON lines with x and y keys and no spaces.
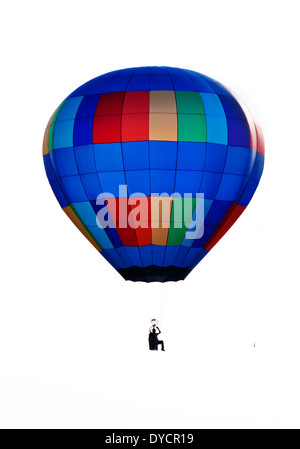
{"x":163,"y":127}
{"x":73,"y":217}
{"x":46,"y":135}
{"x":163,"y":102}
{"x":161,"y":208}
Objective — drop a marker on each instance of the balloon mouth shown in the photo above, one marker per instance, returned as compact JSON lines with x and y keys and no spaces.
{"x":154,"y":273}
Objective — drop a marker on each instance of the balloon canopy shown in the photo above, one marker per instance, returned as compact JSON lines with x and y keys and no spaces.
{"x":153,"y":165}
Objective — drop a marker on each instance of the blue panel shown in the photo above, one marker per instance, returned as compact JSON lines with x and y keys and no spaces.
{"x":239,"y":160}
{"x":74,"y":189}
{"x":158,"y":255}
{"x":86,"y":213}
{"x":88,"y":106}
{"x":163,"y":155}
{"x":217,"y":212}
{"x":210,"y":185}
{"x":63,"y":134}
{"x":160,"y":82}
{"x":170,"y":255}
{"x":65,"y":161}
{"x":162,"y":181}
{"x":110,"y":182}
{"x":212,"y":105}
{"x":190,"y":256}
{"x":122,"y":251}
{"x":140,"y":82}
{"x":122,"y":73}
{"x":99,"y":86}
{"x":60,"y":196}
{"x":188,"y":183}
{"x":117,"y":84}
{"x":138,"y":181}
{"x":108,"y":157}
{"x":49,"y":169}
{"x":215,"y":157}
{"x":217,"y":131}
{"x":181,"y":255}
{"x":53,"y":163}
{"x":238,"y":133}
{"x":208,"y":232}
{"x":136,"y":155}
{"x":146,"y":255}
{"x":191,"y":156}
{"x":217,"y":87}
{"x":258,"y":167}
{"x":83,"y":131}
{"x":194,"y":258}
{"x":200,"y":85}
{"x":230,"y":187}
{"x":69,"y":109}
{"x":82,"y":90}
{"x":134,"y":255}
{"x":180,"y":81}
{"x":110,"y":230}
{"x":248,"y":193}
{"x":232,"y":108}
{"x":85,"y":159}
{"x":91,"y":185}
{"x":113,"y":258}
{"x":100,"y":237}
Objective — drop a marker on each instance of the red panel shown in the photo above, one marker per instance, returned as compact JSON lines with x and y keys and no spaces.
{"x":142,"y":219}
{"x":128,"y":236}
{"x":135,"y":127}
{"x":107,"y":129}
{"x":230,"y":218}
{"x":260,"y":140}
{"x":136,"y":102}
{"x":134,"y":234}
{"x":126,"y":233}
{"x":110,"y":104}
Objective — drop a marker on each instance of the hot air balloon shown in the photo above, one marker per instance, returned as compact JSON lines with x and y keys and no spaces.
{"x":131,"y":155}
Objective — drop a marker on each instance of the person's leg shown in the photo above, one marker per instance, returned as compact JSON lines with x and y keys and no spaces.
{"x":160,"y":342}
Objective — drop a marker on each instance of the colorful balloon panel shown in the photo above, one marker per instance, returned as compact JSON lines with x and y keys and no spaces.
{"x":155,"y":130}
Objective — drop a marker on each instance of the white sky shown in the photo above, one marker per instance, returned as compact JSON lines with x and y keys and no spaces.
{"x":73,"y":334}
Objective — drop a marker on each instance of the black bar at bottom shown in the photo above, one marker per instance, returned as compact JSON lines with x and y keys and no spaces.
{"x":154,"y":273}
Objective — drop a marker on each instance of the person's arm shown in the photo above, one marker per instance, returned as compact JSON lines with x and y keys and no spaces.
{"x":158,"y":331}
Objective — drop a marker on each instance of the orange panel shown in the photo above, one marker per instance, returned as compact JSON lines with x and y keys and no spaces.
{"x":46,"y":135}
{"x":160,"y":236}
{"x":163,"y":102}
{"x":161,"y":208}
{"x":73,"y":217}
{"x":163,"y":127}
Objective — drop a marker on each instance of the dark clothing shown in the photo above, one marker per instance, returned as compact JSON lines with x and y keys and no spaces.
{"x":154,"y":342}
{"x":160,"y":342}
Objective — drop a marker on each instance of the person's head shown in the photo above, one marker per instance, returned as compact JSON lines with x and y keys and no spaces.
{"x":154,"y":322}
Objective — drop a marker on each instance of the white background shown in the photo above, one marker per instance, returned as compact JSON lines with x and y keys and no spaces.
{"x":73,"y":334}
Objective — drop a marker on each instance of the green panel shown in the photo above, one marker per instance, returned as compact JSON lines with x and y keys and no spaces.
{"x":51,"y":133}
{"x":182,"y":211}
{"x":191,"y":128}
{"x":189,"y":103}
